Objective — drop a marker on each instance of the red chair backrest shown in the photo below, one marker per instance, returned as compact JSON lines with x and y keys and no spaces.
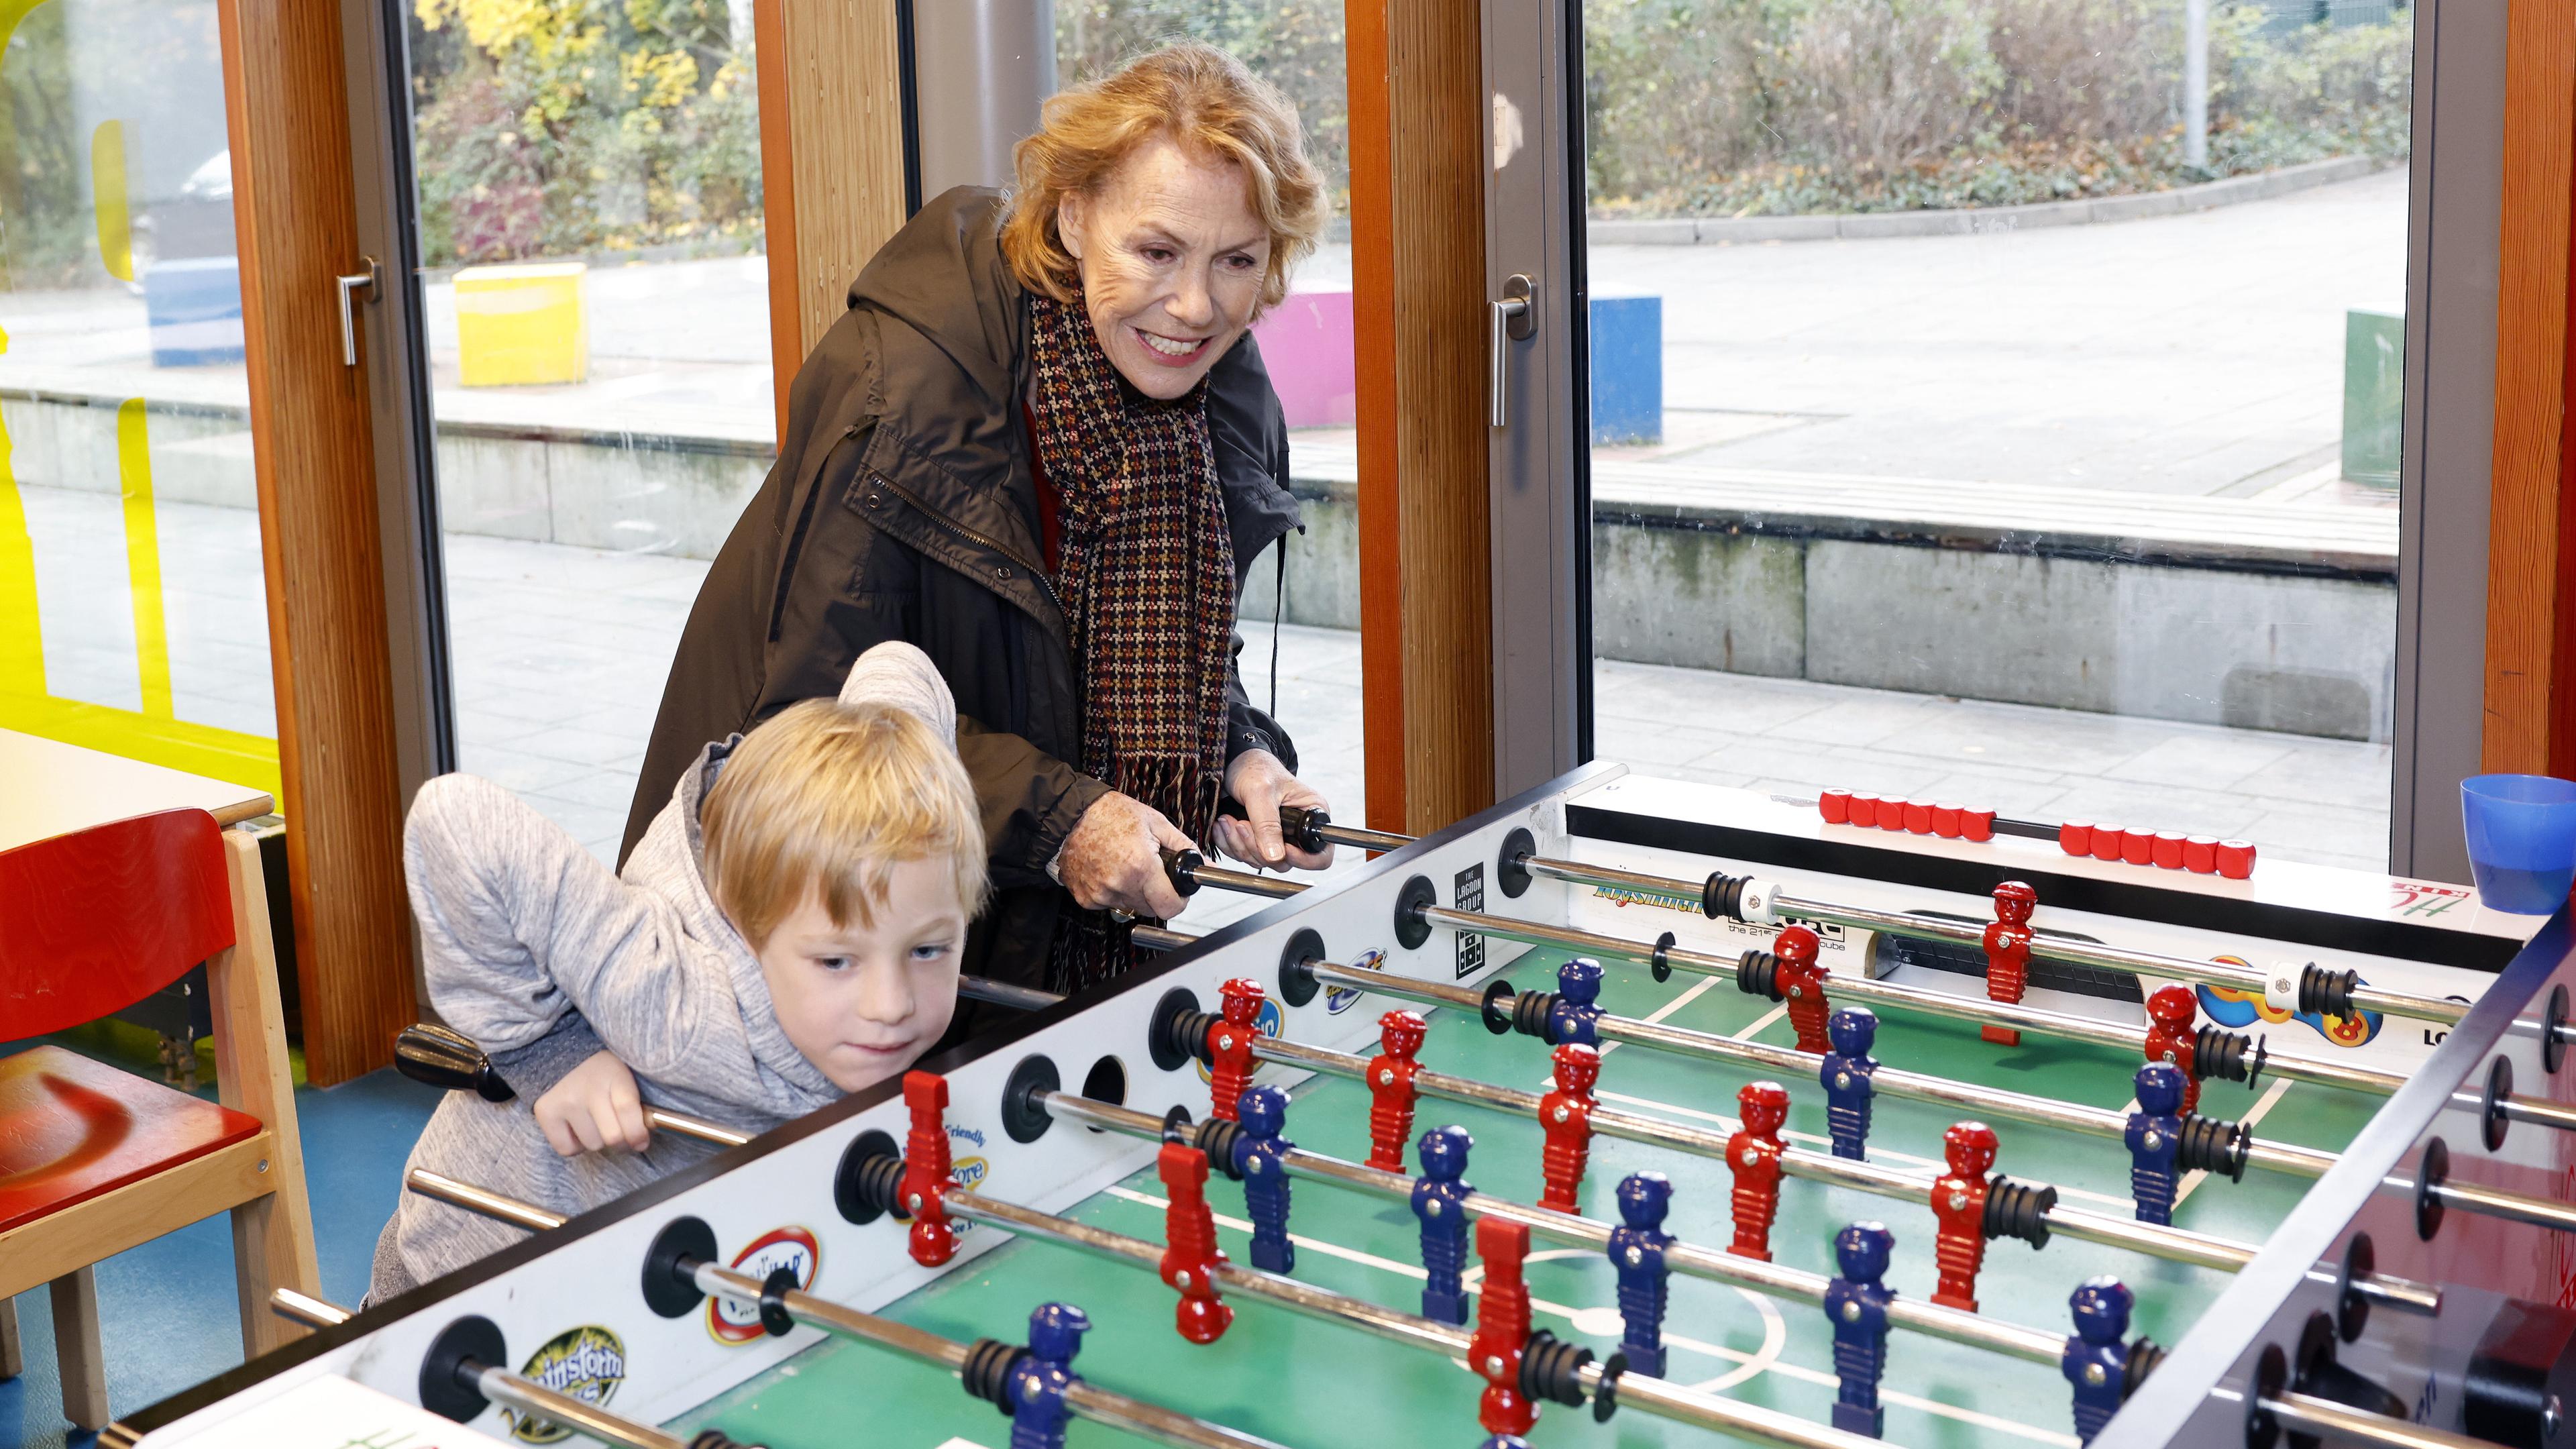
{"x":101,"y":918}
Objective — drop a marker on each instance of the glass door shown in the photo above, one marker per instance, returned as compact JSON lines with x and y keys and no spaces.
{"x":2001,"y":402}
{"x":133,"y":609}
{"x":595,"y":302}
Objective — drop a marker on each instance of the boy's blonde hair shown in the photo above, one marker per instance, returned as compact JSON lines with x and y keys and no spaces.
{"x":1197,"y":95}
{"x":830,"y":797}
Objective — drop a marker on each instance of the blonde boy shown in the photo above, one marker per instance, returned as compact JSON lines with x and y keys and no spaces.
{"x":788,"y":930}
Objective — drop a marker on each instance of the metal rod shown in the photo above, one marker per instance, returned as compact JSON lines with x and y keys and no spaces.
{"x":479,"y":1200}
{"x":1352,"y":835}
{"x":2325,"y":1416}
{"x":698,"y":1127}
{"x":1003,"y":993}
{"x":306,"y":1309}
{"x":1990,"y":1101}
{"x":1155,"y":938}
{"x":2513,"y":1207}
{"x":1447,"y":1340}
{"x":1104,"y":1406}
{"x":1913,"y":1314}
{"x":1931,"y":1003}
{"x":2044,"y":947}
{"x":1249,"y":884}
{"x":536,"y":1401}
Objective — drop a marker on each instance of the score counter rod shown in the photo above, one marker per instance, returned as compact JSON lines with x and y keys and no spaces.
{"x":1914,"y":1314}
{"x":1895,"y":1081}
{"x":306,"y":1309}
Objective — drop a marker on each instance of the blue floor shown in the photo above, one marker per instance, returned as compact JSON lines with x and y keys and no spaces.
{"x":169,"y":1307}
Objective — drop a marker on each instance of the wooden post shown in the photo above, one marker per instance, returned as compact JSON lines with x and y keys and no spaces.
{"x":1417,"y":293}
{"x":286,"y":98}
{"x":831,"y":160}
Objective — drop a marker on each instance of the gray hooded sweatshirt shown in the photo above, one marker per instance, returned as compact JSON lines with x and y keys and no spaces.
{"x":538,"y":953}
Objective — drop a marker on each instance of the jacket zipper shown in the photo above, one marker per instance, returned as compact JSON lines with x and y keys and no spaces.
{"x":971,"y":536}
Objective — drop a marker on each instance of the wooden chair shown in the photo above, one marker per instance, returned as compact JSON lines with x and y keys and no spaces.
{"x":94,"y":1161}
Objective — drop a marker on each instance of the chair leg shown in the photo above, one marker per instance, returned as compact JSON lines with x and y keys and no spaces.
{"x":272,"y":1249}
{"x":77,"y":1348}
{"x":13,"y":1356}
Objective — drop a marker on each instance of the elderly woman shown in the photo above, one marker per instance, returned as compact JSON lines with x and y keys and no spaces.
{"x":1041,"y":446}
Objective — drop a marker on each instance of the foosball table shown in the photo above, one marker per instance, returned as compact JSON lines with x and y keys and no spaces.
{"x":1626,"y":1112}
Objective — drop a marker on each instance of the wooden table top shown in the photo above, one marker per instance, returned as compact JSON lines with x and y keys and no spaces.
{"x":50,"y":788}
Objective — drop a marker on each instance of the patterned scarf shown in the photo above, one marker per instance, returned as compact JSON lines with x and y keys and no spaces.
{"x":1146,"y":572}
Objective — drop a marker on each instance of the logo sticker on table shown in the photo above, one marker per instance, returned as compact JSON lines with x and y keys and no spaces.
{"x":2229,"y":1006}
{"x":739,"y":1323}
{"x":966,"y":1169}
{"x":1468,"y":890}
{"x":588,"y":1363}
{"x":1338,"y":999}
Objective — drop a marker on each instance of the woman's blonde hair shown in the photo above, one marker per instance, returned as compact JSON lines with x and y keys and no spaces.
{"x":1198,"y":96}
{"x":830,"y":797}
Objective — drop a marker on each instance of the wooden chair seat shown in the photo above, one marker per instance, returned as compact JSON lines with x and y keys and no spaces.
{"x":72,"y":1129}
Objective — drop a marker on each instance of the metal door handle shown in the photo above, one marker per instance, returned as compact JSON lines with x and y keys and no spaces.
{"x":361,"y":282}
{"x":1515,"y":320}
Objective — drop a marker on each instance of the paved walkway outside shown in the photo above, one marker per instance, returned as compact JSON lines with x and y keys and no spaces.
{"x":561,"y":654}
{"x":2196,"y":354}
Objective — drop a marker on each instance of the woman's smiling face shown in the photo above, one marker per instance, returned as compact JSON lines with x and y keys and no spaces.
{"x":1173,"y":258}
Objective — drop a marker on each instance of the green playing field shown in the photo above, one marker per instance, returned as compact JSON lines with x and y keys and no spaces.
{"x":1307,"y":1383}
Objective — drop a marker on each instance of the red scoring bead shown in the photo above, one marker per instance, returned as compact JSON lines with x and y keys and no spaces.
{"x":1835,"y":806}
{"x":1918,"y":817}
{"x":2236,"y":859}
{"x":2138,"y":847}
{"x":1863,"y":810}
{"x":2075,"y":838}
{"x":2169,"y":850}
{"x":1945,"y":819}
{"x":2106,"y":841}
{"x":2200,"y":854}
{"x":1977,"y":825}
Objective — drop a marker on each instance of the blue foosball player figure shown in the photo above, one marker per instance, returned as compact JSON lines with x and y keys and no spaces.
{"x":1856,"y":1303}
{"x":1038,"y":1381}
{"x":1439,"y":1201}
{"x":1260,"y":1160}
{"x":1637,"y":1255}
{"x":2155,"y":1140}
{"x":2096,"y":1362}
{"x":1571,"y":1016}
{"x":1845,"y":1074}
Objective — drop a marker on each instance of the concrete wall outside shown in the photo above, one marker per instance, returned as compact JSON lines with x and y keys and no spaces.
{"x":2304,"y":653}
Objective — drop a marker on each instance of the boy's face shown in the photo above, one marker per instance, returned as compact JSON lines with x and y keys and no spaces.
{"x":863,"y":1002}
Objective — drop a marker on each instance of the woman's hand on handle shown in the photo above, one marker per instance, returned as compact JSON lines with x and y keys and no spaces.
{"x":1262,"y":784}
{"x":1113,"y":860}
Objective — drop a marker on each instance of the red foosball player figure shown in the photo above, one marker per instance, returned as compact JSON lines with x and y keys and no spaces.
{"x":1802,"y":980}
{"x":2172,"y":1035}
{"x":1502,"y":1328}
{"x":1189,"y":1244}
{"x":1390,"y":1083}
{"x":1230,"y":1044}
{"x":923,"y":1190}
{"x":1753,"y":1155}
{"x":1959,"y":1204}
{"x":2008,"y":953}
{"x":1565,"y":1115}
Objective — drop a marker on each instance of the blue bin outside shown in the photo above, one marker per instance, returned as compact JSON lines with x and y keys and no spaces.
{"x":195,"y":311}
{"x":1627,"y":370}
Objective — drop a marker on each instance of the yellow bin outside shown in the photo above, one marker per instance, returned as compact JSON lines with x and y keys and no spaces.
{"x":521,"y":324}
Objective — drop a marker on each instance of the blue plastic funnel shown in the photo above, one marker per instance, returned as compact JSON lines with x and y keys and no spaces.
{"x":2522,"y":840}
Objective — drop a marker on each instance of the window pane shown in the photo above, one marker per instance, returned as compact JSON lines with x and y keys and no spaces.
{"x":1305,"y":342}
{"x":598,"y":323}
{"x":1971,"y":422}
{"x":133,"y":616}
